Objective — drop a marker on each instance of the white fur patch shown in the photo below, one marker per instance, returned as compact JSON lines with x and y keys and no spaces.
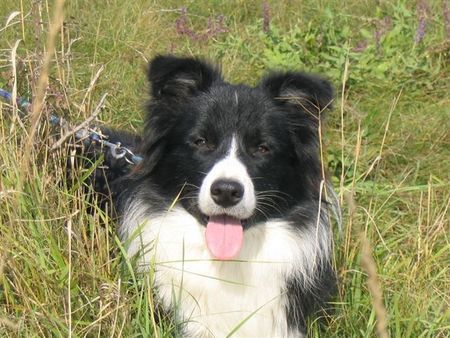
{"x":230,"y":168}
{"x":213,"y":297}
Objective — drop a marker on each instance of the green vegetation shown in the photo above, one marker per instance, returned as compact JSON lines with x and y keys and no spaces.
{"x":62,"y":269}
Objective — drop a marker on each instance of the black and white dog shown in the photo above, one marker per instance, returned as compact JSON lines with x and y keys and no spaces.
{"x":228,"y":206}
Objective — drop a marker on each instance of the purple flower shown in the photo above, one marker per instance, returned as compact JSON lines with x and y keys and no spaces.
{"x":381,"y":28}
{"x":446,"y":15}
{"x":422,"y":11}
{"x":420,"y":32}
{"x":266,"y":16}
{"x":360,"y":47}
{"x":213,"y":27}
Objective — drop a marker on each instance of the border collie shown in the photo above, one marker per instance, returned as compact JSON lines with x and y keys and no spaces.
{"x":228,"y":207}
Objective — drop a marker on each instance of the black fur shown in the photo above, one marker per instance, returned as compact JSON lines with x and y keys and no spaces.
{"x":277,"y":126}
{"x":190,"y":99}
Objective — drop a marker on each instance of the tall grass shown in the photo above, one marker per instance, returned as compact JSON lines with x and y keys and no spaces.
{"x":62,"y":268}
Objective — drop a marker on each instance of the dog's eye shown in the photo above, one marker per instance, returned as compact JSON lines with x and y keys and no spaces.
{"x":200,"y":142}
{"x":262,"y":149}
{"x":203,"y":144}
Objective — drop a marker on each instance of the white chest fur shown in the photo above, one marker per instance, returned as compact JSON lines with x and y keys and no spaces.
{"x":215,"y":297}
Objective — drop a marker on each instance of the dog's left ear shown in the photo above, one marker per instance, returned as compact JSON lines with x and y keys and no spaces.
{"x":308,"y":93}
{"x":174,"y":77}
{"x":303,"y":98}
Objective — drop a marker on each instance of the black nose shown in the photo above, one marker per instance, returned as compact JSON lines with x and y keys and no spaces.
{"x":227,"y":193}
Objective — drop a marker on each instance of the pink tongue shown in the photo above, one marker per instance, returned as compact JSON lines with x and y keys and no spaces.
{"x":224,"y":236}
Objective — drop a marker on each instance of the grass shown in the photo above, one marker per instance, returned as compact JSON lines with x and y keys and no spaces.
{"x":62,"y":268}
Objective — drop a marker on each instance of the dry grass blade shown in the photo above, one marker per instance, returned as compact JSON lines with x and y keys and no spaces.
{"x":39,"y":97}
{"x":82,"y":125}
{"x":69,"y":255}
{"x":343,"y":93}
{"x":369,"y":265}
{"x":9,"y":323}
{"x":91,"y":86}
{"x":14,"y":91}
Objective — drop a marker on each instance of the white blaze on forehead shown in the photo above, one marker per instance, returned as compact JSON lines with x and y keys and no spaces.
{"x":232,"y":152}
{"x":228,"y":168}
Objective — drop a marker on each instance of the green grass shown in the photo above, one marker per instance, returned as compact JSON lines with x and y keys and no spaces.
{"x":62,"y":270}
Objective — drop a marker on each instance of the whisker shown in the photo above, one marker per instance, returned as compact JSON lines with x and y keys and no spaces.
{"x":272,"y":198}
{"x":192,"y":185}
{"x":261,"y":210}
{"x":271,"y":206}
{"x":272,"y":191}
{"x":187,"y":198}
{"x":257,"y":178}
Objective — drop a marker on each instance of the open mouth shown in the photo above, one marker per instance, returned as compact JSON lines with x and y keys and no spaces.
{"x":224,"y":236}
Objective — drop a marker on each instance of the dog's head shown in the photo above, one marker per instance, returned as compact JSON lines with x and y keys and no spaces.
{"x":235,"y":155}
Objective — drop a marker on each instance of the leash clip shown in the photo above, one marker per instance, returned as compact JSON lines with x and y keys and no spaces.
{"x":117,"y":151}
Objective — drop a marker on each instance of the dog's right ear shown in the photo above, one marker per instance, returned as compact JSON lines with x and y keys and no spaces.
{"x":175,"y":77}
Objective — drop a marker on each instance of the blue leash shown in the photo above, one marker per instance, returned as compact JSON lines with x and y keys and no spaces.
{"x":116,"y":150}
{"x":21,"y":102}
